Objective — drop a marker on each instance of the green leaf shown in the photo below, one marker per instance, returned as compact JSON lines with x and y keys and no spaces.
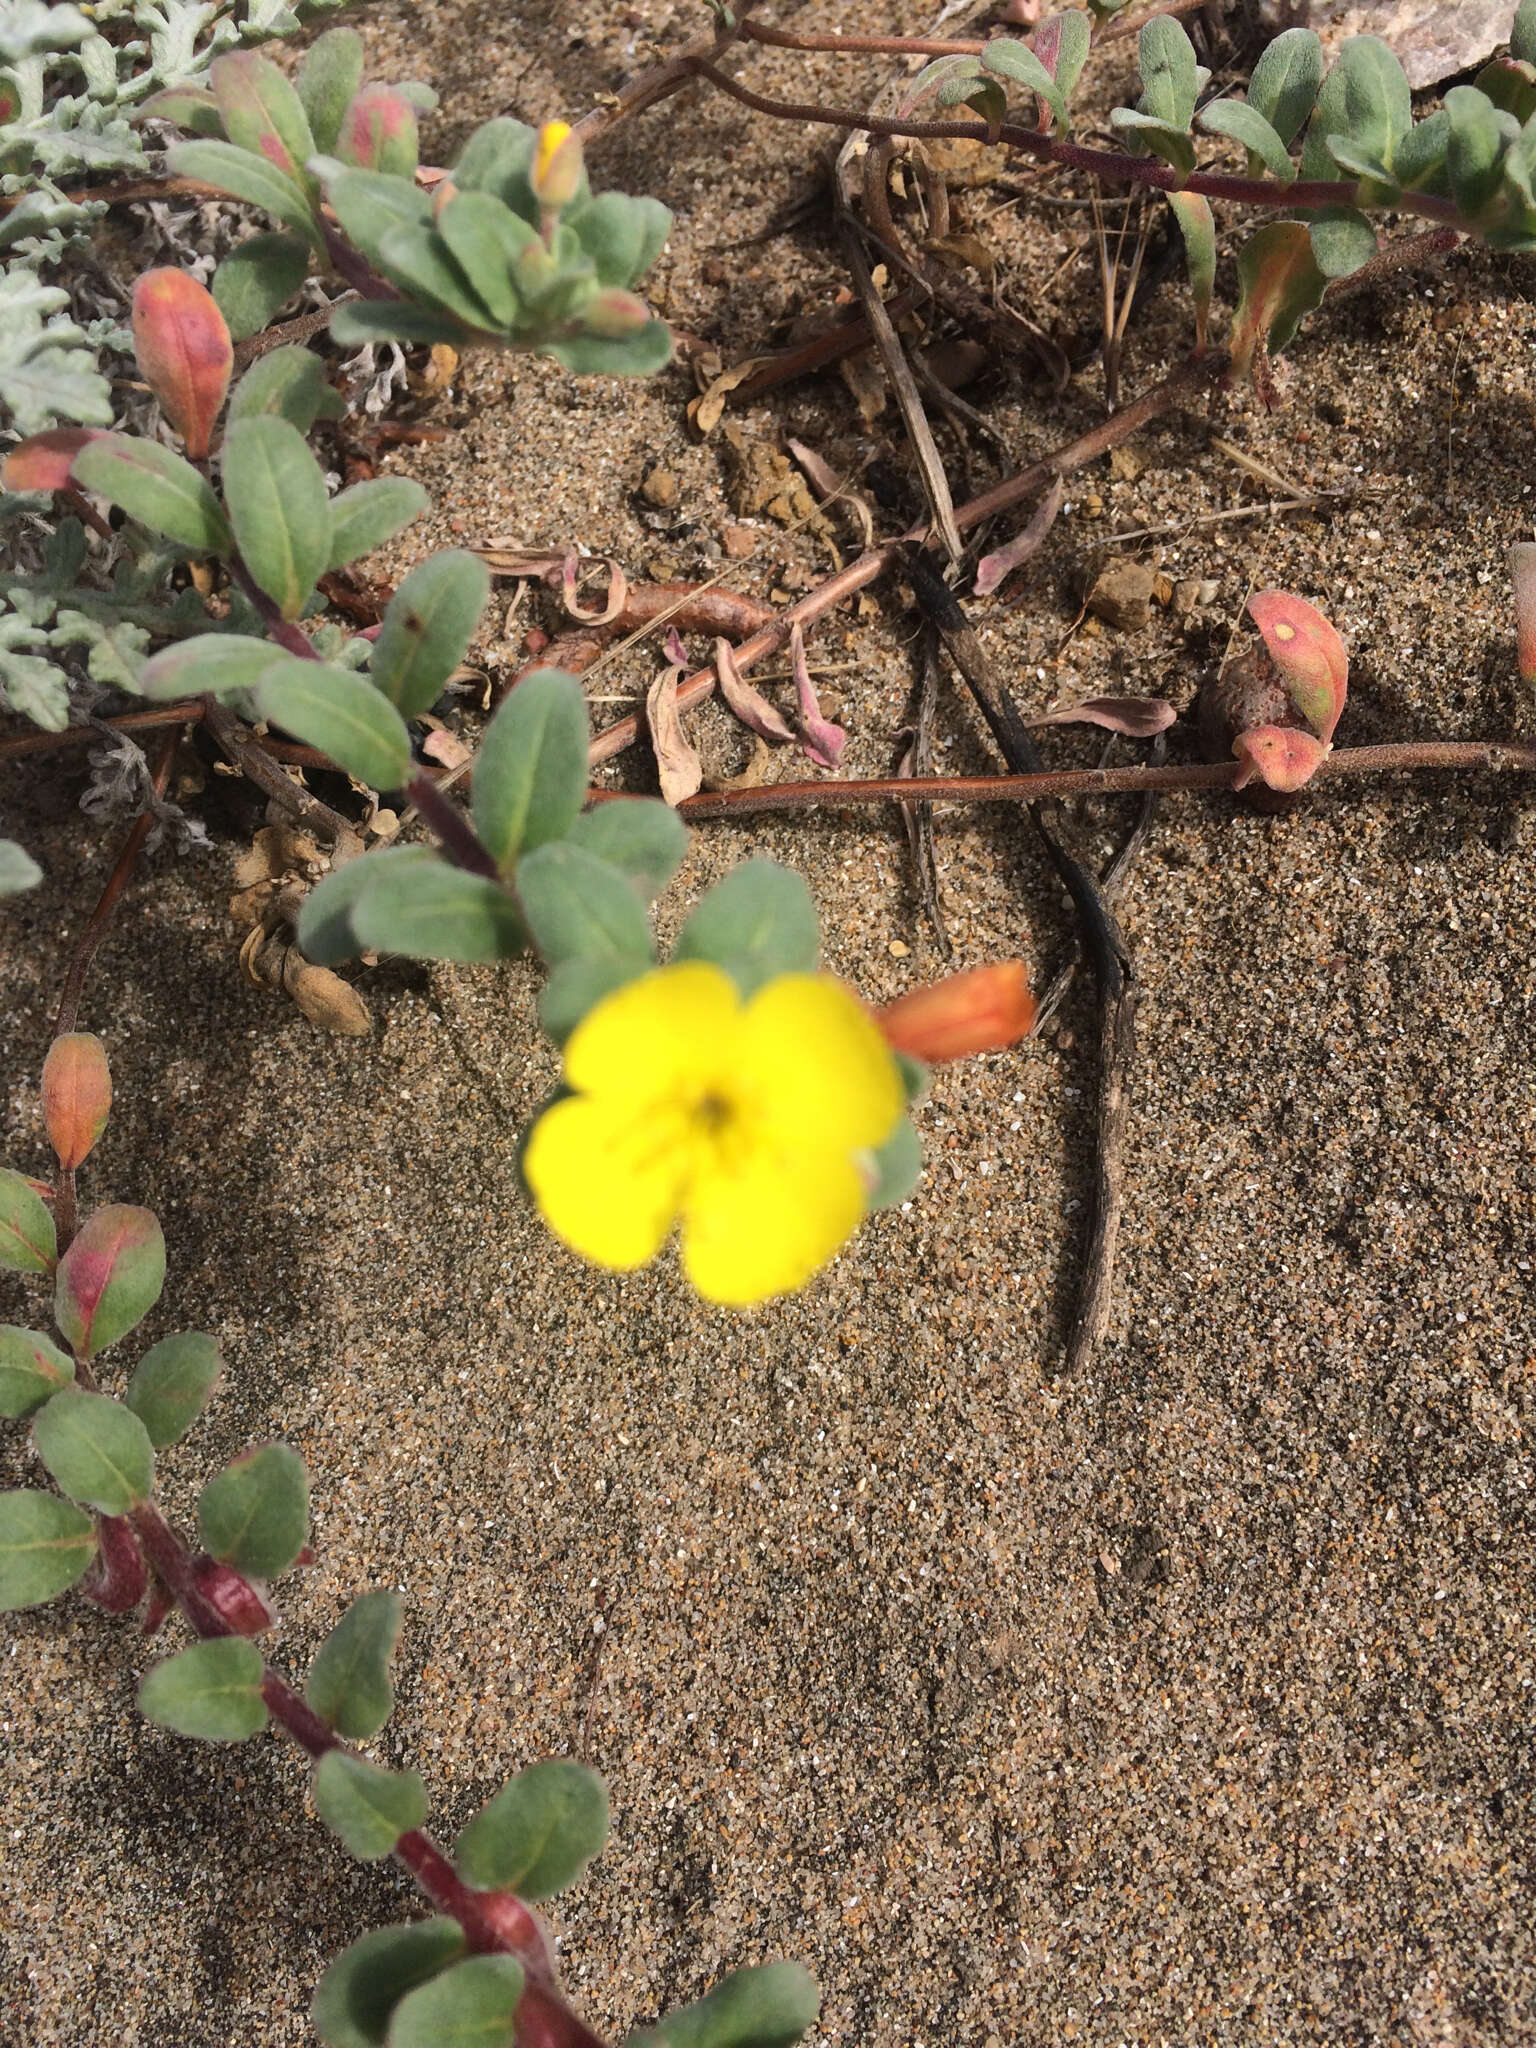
{"x":531,"y":772}
{"x":255,"y":1514}
{"x":1018,"y":62}
{"x":538,"y":1834}
{"x":369,"y":203}
{"x":325,"y":931}
{"x":275,"y":492}
{"x":438,"y":912}
{"x":1475,"y":149}
{"x":95,"y":1451}
{"x":45,"y":1545}
{"x":263,"y":114}
{"x":369,"y":1808}
{"x":623,"y":236}
{"x":110,"y":1278}
{"x":1170,"y":72}
{"x":640,"y":835}
{"x":1365,"y":101}
{"x":251,"y":178}
{"x":1362,"y":163}
{"x":1522,"y":36}
{"x":32,"y":1370}
{"x":366,"y":515}
{"x":427,"y":626}
{"x":339,"y":712}
{"x":1280,"y":283}
{"x":766,"y":2007}
{"x":898,"y":1167}
{"x":172,"y":1383}
{"x":1283,"y":88}
{"x":28,"y":1241}
{"x":328,"y":81}
{"x":1245,"y":124}
{"x":207,"y":664}
{"x":1197,"y":224}
{"x":1062,"y":42}
{"x":358,"y":323}
{"x":212,"y":1691}
{"x":1419,"y":161}
{"x":18,"y":871}
{"x":1342,"y":239}
{"x":580,"y":907}
{"x":286,"y":383}
{"x":577,"y":986}
{"x":418,"y":260}
{"x":758,"y":923}
{"x":358,"y":1993}
{"x":349,"y":1683}
{"x":258,"y":278}
{"x":486,"y":238}
{"x":648,"y":349}
{"x":469,"y":2006}
{"x":1156,"y":137}
{"x":156,"y":487}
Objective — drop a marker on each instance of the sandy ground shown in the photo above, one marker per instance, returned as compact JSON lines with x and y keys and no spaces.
{"x":1187,"y":1702}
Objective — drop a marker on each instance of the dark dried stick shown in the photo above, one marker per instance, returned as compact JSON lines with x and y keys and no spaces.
{"x":1101,"y":941}
{"x":918,"y":817}
{"x":241,"y":751}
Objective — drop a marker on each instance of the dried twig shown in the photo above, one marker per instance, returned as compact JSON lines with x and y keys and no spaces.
{"x":918,"y":817}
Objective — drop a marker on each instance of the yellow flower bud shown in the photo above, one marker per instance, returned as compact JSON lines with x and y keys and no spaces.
{"x":557,"y":166}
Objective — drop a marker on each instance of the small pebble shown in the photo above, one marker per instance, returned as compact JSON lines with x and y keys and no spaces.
{"x":660,"y":489}
{"x":899,"y":949}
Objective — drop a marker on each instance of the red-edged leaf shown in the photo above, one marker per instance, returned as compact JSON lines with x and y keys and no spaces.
{"x":1308,"y":653}
{"x":1281,"y":757}
{"x":184,"y":352}
{"x":109,"y":1278}
{"x":980,"y":1011}
{"x":378,"y":132}
{"x":77,"y":1094}
{"x":42,"y":462}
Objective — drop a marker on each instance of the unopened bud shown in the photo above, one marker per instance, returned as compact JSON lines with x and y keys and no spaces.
{"x":614,"y":313}
{"x":557,"y":164}
{"x":238,"y":1601}
{"x":981,"y":1011}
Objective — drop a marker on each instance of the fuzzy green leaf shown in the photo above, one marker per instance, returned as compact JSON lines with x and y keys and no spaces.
{"x":349,"y":1684}
{"x":369,"y":1808}
{"x":1342,"y":239}
{"x":32,"y":1370}
{"x":110,"y":1278}
{"x":342,"y":714}
{"x":367,"y":514}
{"x":18,"y":871}
{"x":427,"y":626}
{"x":45,"y":1546}
{"x":1419,"y":161}
{"x":325,"y":932}
{"x":369,"y":203}
{"x":359,"y":1992}
{"x":1245,"y":124}
{"x":258,"y":278}
{"x":1365,"y":102}
{"x":577,"y":986}
{"x":1170,"y":74}
{"x":95,"y":1450}
{"x":1283,"y":88}
{"x":471,"y":2005}
{"x":648,"y":349}
{"x":171,"y":1385}
{"x":768,"y":2006}
{"x":759,"y":922}
{"x":1197,"y":224}
{"x":156,"y":487}
{"x":212,"y":1691}
{"x":263,"y":114}
{"x":898,"y":1166}
{"x":1018,"y":62}
{"x":286,"y":383}
{"x":485,"y":238}
{"x":437,"y":912}
{"x":531,"y":771}
{"x":580,"y":908}
{"x":28,"y":1241}
{"x":641,"y":835}
{"x":623,"y":236}
{"x":358,"y":323}
{"x":539,"y":1832}
{"x":1475,"y":148}
{"x":1156,"y":137}
{"x":251,"y":178}
{"x":207,"y":664}
{"x":255,"y":1514}
{"x":418,"y":260}
{"x":275,"y":491}
{"x":328,"y":81}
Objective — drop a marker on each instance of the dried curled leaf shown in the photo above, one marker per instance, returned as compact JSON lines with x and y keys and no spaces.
{"x":677,"y":759}
{"x":1139,"y":718}
{"x":748,"y":704}
{"x":823,"y":741}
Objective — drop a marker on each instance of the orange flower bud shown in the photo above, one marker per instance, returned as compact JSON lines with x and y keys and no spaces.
{"x":981,"y":1011}
{"x":555,"y":172}
{"x":77,"y":1093}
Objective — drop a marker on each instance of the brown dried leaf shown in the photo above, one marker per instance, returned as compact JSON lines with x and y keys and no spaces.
{"x":707,"y":411}
{"x":677,"y":760}
{"x":1139,"y":718}
{"x":749,"y":705}
{"x":324,"y":997}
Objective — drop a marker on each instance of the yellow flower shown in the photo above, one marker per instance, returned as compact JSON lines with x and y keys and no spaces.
{"x":745,"y":1120}
{"x":555,"y":171}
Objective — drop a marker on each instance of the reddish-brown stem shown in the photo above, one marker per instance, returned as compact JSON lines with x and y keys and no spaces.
{"x":869,"y":46}
{"x":288,"y":635}
{"x":1191,"y":374}
{"x":1302,"y":196}
{"x":452,"y":828}
{"x":1342,"y":764}
{"x":87,"y":735}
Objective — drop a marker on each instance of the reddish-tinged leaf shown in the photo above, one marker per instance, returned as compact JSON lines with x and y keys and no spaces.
{"x":184,"y":352}
{"x":1280,"y":284}
{"x":28,"y":1242}
{"x":1308,"y":653}
{"x":119,"y":1578}
{"x":1282,"y":757}
{"x":749,"y":705}
{"x":823,"y":741}
{"x":980,"y":1011}
{"x":993,"y":568}
{"x":378,"y":132}
{"x":43,"y":461}
{"x":676,"y":758}
{"x":77,"y":1094}
{"x":1522,"y":571}
{"x":109,"y":1278}
{"x":1139,"y":718}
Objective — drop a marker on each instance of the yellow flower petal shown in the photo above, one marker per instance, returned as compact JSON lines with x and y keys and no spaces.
{"x":764,"y":1224}
{"x":819,"y":1063}
{"x":658,"y":1039}
{"x":608,"y":1176}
